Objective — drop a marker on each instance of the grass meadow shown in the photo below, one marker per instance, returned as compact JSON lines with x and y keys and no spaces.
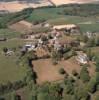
{"x":9,"y":68}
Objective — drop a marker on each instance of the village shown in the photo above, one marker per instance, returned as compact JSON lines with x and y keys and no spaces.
{"x":50,"y":53}
{"x":58,"y":48}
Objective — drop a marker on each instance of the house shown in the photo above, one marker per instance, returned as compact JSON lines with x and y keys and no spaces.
{"x":82,"y":58}
{"x":9,"y":52}
{"x":30,"y":46}
{"x":46,"y":25}
{"x":90,"y":34}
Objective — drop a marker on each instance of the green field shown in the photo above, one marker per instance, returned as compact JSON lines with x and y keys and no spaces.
{"x":9,"y":68}
{"x":45,"y":14}
{"x":9,"y":33}
{"x":53,"y":16}
{"x":90,"y":27}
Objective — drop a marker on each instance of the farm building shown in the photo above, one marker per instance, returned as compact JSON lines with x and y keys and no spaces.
{"x":69,"y":28}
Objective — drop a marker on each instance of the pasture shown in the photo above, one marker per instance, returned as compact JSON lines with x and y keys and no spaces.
{"x":9,"y":68}
{"x":54,"y":16}
{"x":8,"y":33}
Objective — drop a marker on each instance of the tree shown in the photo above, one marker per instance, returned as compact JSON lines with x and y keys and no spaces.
{"x":97,"y":65}
{"x":81,"y":93}
{"x":1,"y":98}
{"x":56,"y":55}
{"x":43,"y":38}
{"x":66,"y":56}
{"x":32,"y":97}
{"x":96,"y":97}
{"x":91,"y":42}
{"x":62,"y":71}
{"x":68,"y":97}
{"x":14,"y":96}
{"x":97,"y":41}
{"x":97,"y":78}
{"x":74,"y":72}
{"x":90,"y":54}
{"x":84,"y":75}
{"x":92,"y":86}
{"x":85,"y":38}
{"x":5,"y":49}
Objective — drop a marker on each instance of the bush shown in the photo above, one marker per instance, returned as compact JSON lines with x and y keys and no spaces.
{"x":92,"y":86}
{"x":97,"y":66}
{"x":61,"y":71}
{"x":74,"y":72}
{"x":84,"y":75}
{"x":97,"y":78}
{"x":54,"y":62}
{"x":67,"y":56}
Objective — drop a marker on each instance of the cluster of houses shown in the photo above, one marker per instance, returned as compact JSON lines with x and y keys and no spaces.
{"x":54,"y":41}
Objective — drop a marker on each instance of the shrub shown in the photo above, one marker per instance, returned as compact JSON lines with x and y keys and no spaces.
{"x":84,"y":75}
{"x":61,"y":71}
{"x":92,"y":86}
{"x":74,"y":72}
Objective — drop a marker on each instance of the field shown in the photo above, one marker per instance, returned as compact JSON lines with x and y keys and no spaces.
{"x":95,"y":50}
{"x":60,"y":2}
{"x":21,"y":26}
{"x":53,"y":17}
{"x":8,"y":33}
{"x":44,"y":13}
{"x":45,"y":68}
{"x":9,"y":69}
{"x":15,"y":6}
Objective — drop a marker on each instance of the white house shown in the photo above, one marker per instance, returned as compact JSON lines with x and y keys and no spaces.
{"x":90,"y":34}
{"x":9,"y":52}
{"x":82,"y":58}
{"x":30,"y":47}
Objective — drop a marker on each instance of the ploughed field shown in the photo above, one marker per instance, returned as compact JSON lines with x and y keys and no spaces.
{"x":17,"y":5}
{"x":47,"y":72}
{"x":14,"y":5}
